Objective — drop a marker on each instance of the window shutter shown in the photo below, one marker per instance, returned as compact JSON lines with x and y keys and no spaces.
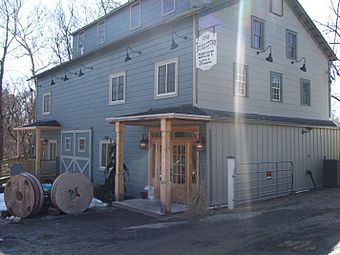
{"x":277,"y":7}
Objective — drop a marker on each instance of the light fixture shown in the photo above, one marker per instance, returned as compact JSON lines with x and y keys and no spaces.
{"x":200,"y":142}
{"x":303,"y":67}
{"x":143,"y":142}
{"x":128,"y":58}
{"x":81,"y":73}
{"x":56,"y":77}
{"x":269,"y":58}
{"x":306,"y":130}
{"x":52,"y":82}
{"x":174,"y":45}
{"x":65,"y":78}
{"x":45,"y":141}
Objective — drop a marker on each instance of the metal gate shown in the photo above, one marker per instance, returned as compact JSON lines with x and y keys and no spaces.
{"x":263,"y":180}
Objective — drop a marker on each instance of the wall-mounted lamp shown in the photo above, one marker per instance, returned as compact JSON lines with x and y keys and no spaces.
{"x":45,"y":141}
{"x":128,"y":58}
{"x":306,"y":130}
{"x":81,"y":73}
{"x":200,"y":142}
{"x":303,"y":67}
{"x":56,"y":77}
{"x":269,"y":58}
{"x":174,"y":45}
{"x":144,"y":142}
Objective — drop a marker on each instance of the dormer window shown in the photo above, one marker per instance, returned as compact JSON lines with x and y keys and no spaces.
{"x":135,"y":15}
{"x":81,"y":43}
{"x":168,"y":6}
{"x":101,"y":32}
{"x":276,"y":7}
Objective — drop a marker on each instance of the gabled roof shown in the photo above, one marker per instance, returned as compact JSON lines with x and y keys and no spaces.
{"x":294,"y":4}
{"x":312,"y":29}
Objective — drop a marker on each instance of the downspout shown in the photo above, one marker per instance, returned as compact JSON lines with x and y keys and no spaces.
{"x":329,"y":90}
{"x":194,"y":69}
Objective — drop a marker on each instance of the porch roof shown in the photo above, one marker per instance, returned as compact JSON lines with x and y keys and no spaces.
{"x":43,"y":124}
{"x":184,"y":112}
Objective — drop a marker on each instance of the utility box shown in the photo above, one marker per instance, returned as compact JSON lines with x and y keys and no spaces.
{"x":331,"y":173}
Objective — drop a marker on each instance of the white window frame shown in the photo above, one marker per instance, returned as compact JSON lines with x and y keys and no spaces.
{"x":101,"y":142}
{"x":116,"y":75}
{"x":170,"y":94}
{"x":84,"y":144}
{"x":66,"y":143}
{"x":277,"y":89}
{"x":140,"y":14}
{"x":50,"y":142}
{"x":238,"y":82}
{"x":171,"y":11}
{"x":261,"y":36}
{"x":48,"y":110}
{"x":81,"y":51}
{"x":100,"y":40}
{"x":309,"y":95}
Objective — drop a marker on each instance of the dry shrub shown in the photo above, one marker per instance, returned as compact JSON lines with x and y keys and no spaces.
{"x":197,"y":204}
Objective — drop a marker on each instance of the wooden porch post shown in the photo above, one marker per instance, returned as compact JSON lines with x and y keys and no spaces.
{"x":119,"y":177}
{"x":18,"y":143}
{"x":37,"y":150}
{"x":165,"y":167}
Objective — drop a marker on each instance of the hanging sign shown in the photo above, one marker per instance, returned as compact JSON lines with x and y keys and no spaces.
{"x":206,"y":50}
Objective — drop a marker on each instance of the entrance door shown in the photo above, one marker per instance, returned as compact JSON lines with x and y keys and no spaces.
{"x":179,"y":174}
{"x":184,"y":168}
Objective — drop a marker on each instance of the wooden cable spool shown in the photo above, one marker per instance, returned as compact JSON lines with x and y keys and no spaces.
{"x":72,"y":193}
{"x":24,"y":195}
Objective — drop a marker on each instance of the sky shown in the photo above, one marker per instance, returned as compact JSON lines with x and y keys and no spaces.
{"x":318,"y":10}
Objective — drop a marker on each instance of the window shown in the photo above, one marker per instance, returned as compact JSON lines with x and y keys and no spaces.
{"x":104,"y":153}
{"x":257,"y":33}
{"x":305,"y":92}
{"x":117,"y":88}
{"x":166,"y":78}
{"x":276,"y":7}
{"x":291,"y":44}
{"x":135,"y":15}
{"x":240,"y":80}
{"x":81,"y":144}
{"x":168,"y":6}
{"x":67,"y":144}
{"x":46,"y":103}
{"x":81,"y":43}
{"x":52,"y":150}
{"x":101,"y":32}
{"x":275,"y":87}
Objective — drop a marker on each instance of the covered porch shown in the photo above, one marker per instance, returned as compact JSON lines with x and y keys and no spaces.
{"x":43,"y":161}
{"x":174,"y":142}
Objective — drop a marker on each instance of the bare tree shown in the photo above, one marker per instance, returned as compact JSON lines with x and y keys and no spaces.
{"x":65,"y":21}
{"x":9,"y":10}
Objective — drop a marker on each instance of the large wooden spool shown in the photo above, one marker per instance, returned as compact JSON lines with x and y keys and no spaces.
{"x":24,"y":195}
{"x":72,"y":193}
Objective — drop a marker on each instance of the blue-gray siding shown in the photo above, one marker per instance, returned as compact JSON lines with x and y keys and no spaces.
{"x":118,"y":25}
{"x":83,"y":102}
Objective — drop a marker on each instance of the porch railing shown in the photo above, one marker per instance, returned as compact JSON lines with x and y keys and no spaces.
{"x":47,"y":169}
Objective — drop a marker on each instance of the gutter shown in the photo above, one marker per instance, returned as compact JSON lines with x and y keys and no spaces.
{"x":115,"y":43}
{"x":159,"y":116}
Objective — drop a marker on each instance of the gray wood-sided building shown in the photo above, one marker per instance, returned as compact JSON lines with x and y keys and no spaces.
{"x":198,"y":81}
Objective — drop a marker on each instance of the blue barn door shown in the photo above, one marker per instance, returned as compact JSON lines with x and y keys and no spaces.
{"x":76,"y":151}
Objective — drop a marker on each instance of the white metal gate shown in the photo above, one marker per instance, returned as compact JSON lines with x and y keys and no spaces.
{"x":76,"y":151}
{"x":263,"y":180}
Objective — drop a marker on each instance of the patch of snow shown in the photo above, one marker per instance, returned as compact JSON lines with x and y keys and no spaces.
{"x":2,"y":203}
{"x":97,"y":203}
